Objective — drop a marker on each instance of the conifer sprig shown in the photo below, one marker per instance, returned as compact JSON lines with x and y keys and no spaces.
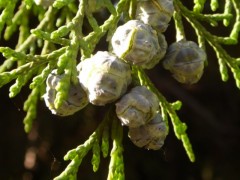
{"x":58,"y":40}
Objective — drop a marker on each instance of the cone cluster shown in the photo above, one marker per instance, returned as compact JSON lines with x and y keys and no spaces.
{"x":105,"y":77}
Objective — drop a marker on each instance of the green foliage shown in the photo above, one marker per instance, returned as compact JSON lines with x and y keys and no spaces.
{"x":93,"y":142}
{"x":116,"y":165}
{"x":216,"y":42}
{"x":30,"y":106}
{"x":168,"y":109}
{"x":57,"y":41}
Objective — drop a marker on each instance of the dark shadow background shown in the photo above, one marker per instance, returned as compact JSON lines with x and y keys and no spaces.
{"x":211,"y":109}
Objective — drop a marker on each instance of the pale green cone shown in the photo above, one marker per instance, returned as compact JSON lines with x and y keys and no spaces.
{"x":77,"y":98}
{"x":137,"y":107}
{"x":156,"y":13}
{"x":185,"y":59}
{"x":150,"y":135}
{"x":104,"y":77}
{"x":138,"y":44}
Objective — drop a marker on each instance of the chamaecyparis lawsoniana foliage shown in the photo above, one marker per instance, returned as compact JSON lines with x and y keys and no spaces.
{"x":58,"y":39}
